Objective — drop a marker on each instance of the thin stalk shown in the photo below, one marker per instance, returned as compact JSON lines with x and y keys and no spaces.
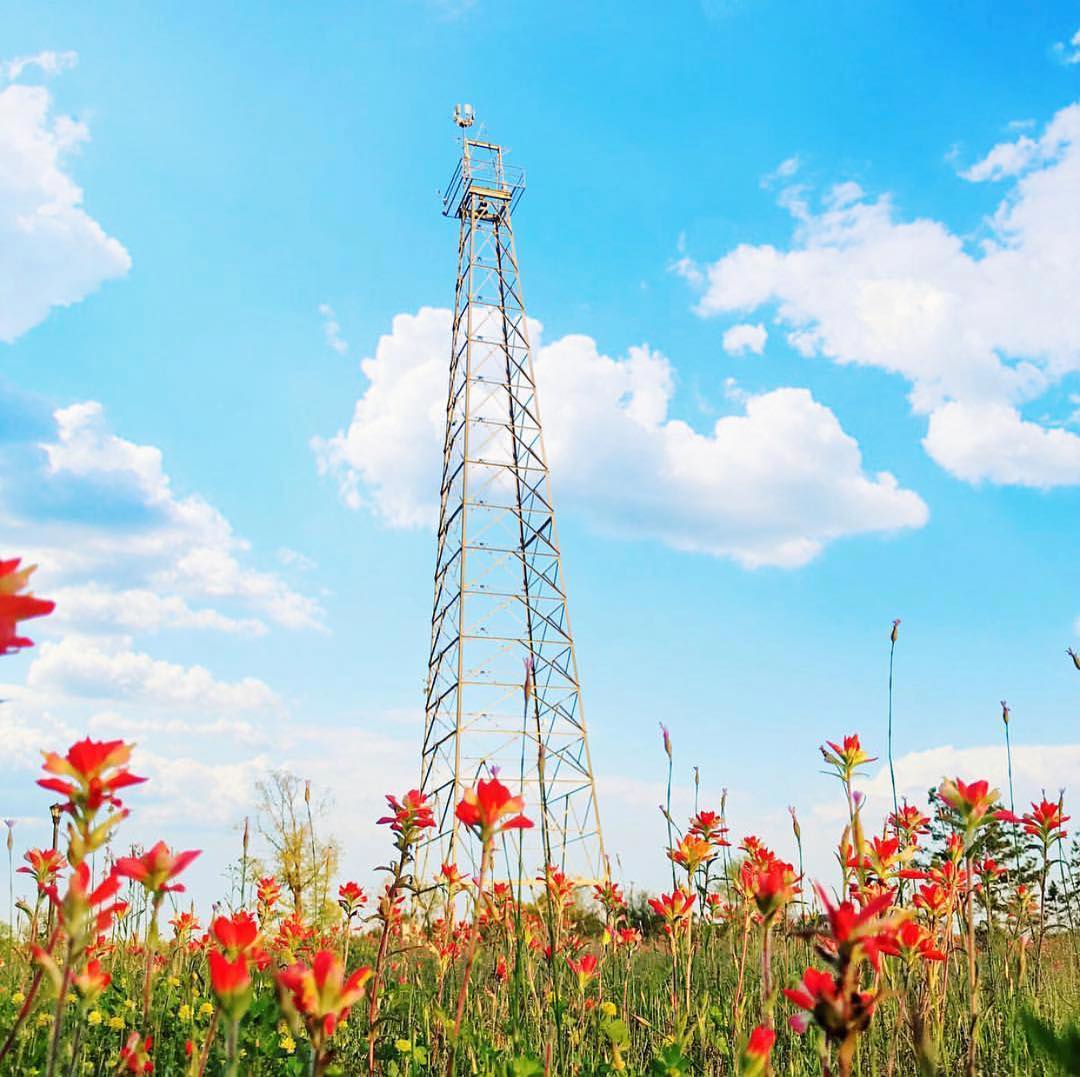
{"x":470,"y":957}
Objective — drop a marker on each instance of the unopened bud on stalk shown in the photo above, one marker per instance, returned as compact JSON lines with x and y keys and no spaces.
{"x":246,"y":835}
{"x":1074,"y":656}
{"x":307,"y":791}
{"x":1005,"y":712}
{"x":795,"y":823}
{"x":895,"y":630}
{"x":666,"y":738}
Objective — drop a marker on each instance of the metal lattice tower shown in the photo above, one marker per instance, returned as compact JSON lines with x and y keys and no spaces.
{"x":502,"y":686}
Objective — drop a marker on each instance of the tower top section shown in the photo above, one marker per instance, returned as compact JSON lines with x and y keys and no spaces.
{"x":482,"y":184}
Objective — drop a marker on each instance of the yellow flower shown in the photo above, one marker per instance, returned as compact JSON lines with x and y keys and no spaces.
{"x":94,"y":1017}
{"x":18,"y":998}
{"x":608,"y":1009}
{"x":116,"y":1023}
{"x":206,"y":1009}
{"x":129,"y":1004}
{"x":402,"y":1046}
{"x":184,"y":1013}
{"x":287,"y":1044}
{"x":174,"y":981}
{"x":43,"y":1019}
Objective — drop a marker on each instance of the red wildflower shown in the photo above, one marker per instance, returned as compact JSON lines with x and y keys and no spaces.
{"x":410,"y":814}
{"x":674,"y":909}
{"x":16,"y":607}
{"x":351,"y":898}
{"x":89,"y":763}
{"x":91,"y":981}
{"x":909,"y":820}
{"x":156,"y":867}
{"x":756,"y":1052}
{"x":970,"y":802}
{"x":710,"y":826}
{"x":1046,"y":821}
{"x":485,"y":807}
{"x":184,"y":924}
{"x":44,"y":865}
{"x":933,"y":898}
{"x":135,"y":1054}
{"x":231,"y":983}
{"x":584,"y":968}
{"x":773,"y":886}
{"x":237,"y":935}
{"x":691,"y":852}
{"x":451,"y":876}
{"x":913,"y":941}
{"x":321,"y":994}
{"x":846,"y":758}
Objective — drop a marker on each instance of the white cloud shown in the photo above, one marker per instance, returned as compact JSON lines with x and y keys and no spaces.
{"x":184,"y":548}
{"x":142,"y":610}
{"x":52,"y":253}
{"x":1035,"y":767}
{"x":770,"y":486}
{"x":859,"y":285}
{"x":48,"y":62}
{"x":1069,"y":53}
{"x":784,"y":170}
{"x":112,"y":725}
{"x":743,"y":338}
{"x":87,"y":668}
{"x":988,"y":441}
{"x":186,"y":792}
{"x":332,"y":330}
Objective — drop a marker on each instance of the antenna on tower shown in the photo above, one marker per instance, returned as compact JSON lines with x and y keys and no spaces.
{"x":464,"y":116}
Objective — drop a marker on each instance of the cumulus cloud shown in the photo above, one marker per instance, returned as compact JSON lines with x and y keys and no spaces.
{"x":140,"y":552}
{"x":90,"y":668}
{"x":138,"y":609}
{"x":743,"y":338}
{"x":988,"y":327}
{"x":52,"y":252}
{"x":769,"y":486}
{"x":991,"y":442}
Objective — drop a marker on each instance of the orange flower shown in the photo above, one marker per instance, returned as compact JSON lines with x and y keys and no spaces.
{"x":321,"y":994}
{"x":97,"y":772}
{"x":16,"y":607}
{"x":846,"y":758}
{"x":584,"y":968}
{"x":674,"y":909}
{"x":156,"y":867}
{"x":485,"y":809}
{"x":691,"y":853}
{"x":91,"y":981}
{"x":970,"y":803}
{"x":44,"y":866}
{"x":773,"y":886}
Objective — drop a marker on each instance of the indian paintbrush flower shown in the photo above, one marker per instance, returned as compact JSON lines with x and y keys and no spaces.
{"x":17,"y":605}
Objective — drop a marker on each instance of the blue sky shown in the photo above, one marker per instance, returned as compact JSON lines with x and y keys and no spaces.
{"x":883,"y":198}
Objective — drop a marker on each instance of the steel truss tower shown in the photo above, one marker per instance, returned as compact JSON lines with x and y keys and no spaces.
{"x":502,"y":686}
